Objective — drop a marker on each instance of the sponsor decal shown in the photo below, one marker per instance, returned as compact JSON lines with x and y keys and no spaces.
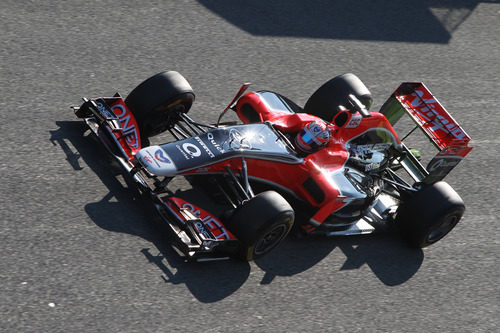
{"x":201,"y":229}
{"x":235,"y":135}
{"x":355,"y":121}
{"x":211,"y":139}
{"x":372,"y":166}
{"x":431,"y":112}
{"x":150,"y":158}
{"x":182,"y":152}
{"x":128,"y":127}
{"x":368,"y":149}
{"x":104,"y":110}
{"x":160,"y":156}
{"x":147,"y":159}
{"x":204,"y":146}
{"x":439,"y":167}
{"x":237,"y":140}
{"x":439,"y":163}
{"x":373,"y":146}
{"x":191,"y":149}
{"x":207,"y":221}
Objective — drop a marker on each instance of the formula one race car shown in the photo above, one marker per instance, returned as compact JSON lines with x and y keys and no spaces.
{"x":330,"y":168}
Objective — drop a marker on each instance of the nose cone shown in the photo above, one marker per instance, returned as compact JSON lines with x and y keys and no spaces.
{"x":157,"y":161}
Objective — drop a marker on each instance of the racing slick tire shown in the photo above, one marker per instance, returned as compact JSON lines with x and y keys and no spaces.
{"x":157,"y":102}
{"x":261,"y":223}
{"x":429,"y":214}
{"x":325,"y":101}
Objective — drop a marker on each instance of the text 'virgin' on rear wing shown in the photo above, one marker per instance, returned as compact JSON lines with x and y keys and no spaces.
{"x":415,"y":99}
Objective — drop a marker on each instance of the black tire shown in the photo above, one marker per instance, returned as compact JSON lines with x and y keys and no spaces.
{"x":325,"y":101}
{"x":261,"y":224}
{"x":429,"y":214}
{"x":156,"y":102}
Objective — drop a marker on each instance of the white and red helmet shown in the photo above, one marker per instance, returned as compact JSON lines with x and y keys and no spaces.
{"x":314,"y":136}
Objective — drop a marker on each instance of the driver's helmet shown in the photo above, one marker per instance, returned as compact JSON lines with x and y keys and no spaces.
{"x":314,"y":136}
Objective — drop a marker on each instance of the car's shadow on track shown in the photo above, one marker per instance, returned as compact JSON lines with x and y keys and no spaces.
{"x":124,"y":210}
{"x":390,"y":259}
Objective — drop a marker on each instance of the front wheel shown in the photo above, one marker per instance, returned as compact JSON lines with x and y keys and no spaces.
{"x":261,"y":223}
{"x":429,"y":214}
{"x":156,"y":102}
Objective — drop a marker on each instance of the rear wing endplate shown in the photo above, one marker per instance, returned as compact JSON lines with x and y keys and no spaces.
{"x":415,"y":99}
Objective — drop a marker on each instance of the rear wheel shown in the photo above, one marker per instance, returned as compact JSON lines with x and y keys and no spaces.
{"x":261,"y":224}
{"x":430,"y":214}
{"x":157,"y":102}
{"x":325,"y":101}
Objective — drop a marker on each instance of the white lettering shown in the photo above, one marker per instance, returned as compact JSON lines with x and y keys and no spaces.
{"x":202,"y":230}
{"x":372,"y":166}
{"x":129,"y":129}
{"x":211,"y":138}
{"x":419,"y":100}
{"x":191,"y":149}
{"x":208,"y":221}
{"x":104,"y":110}
{"x":124,"y":119}
{"x":354,"y":122}
{"x":204,"y":146}
{"x":442,"y":163}
{"x":426,"y":108}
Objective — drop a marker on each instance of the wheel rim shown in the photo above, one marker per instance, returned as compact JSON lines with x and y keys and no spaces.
{"x":443,"y":228}
{"x":271,"y":239}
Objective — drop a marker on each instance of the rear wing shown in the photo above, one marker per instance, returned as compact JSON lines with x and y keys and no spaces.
{"x":451,"y":141}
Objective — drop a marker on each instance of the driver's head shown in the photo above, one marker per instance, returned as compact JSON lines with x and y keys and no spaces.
{"x":314,"y":136}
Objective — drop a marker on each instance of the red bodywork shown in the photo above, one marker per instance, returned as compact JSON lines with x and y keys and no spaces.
{"x":316,"y":165}
{"x":208,"y":220}
{"x":434,"y":120}
{"x":416,"y":100}
{"x":315,"y":168}
{"x":128,"y":135}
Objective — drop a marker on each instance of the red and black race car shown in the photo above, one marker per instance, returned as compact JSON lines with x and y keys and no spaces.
{"x":331,"y":167}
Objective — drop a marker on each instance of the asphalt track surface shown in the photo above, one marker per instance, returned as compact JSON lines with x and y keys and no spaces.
{"x":80,"y":253}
